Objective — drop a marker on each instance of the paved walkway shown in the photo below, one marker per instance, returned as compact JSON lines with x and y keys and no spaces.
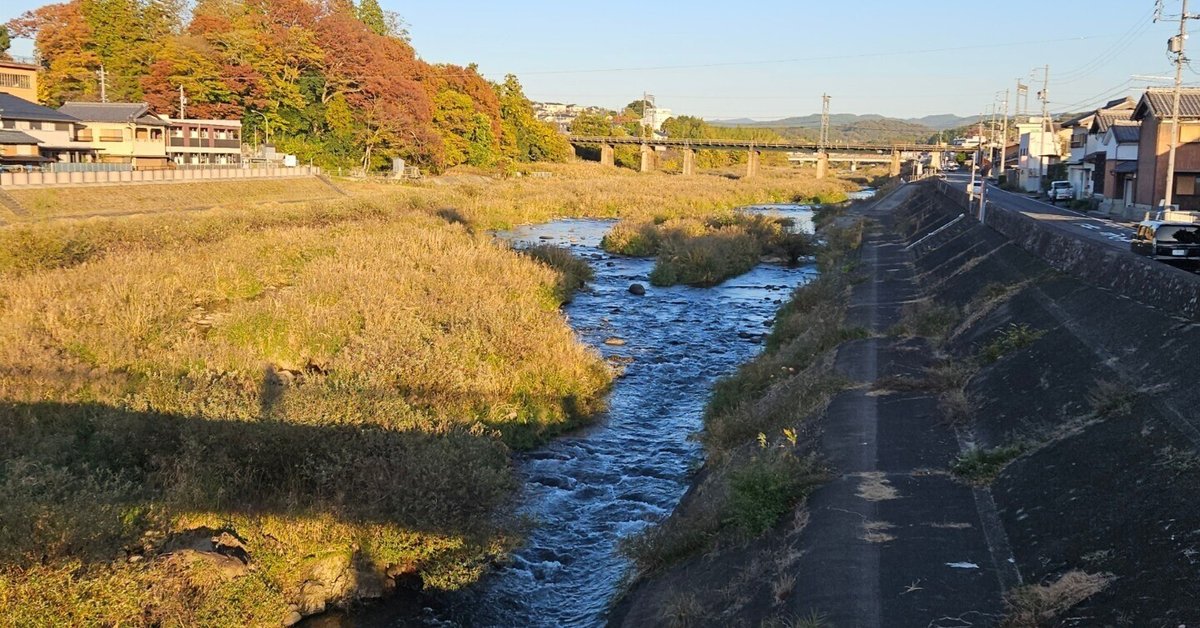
{"x":893,"y":540}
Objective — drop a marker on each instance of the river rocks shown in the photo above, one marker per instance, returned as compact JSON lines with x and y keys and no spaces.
{"x":340,"y":579}
{"x":637,"y":289}
{"x":613,"y":341}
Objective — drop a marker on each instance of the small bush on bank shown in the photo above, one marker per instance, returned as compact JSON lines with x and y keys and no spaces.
{"x":1012,"y":338}
{"x":981,"y":466}
{"x":573,"y":271}
{"x":927,"y":319}
{"x":768,"y":487}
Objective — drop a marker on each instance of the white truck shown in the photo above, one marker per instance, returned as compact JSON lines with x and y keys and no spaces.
{"x":1061,"y":191}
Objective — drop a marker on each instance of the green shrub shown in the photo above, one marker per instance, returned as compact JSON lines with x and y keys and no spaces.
{"x":1012,"y":338}
{"x":768,"y":487}
{"x":981,"y":466}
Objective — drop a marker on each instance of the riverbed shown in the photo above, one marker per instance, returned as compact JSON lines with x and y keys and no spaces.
{"x":586,"y":491}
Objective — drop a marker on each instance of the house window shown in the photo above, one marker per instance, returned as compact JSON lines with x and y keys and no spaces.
{"x":84,"y":135}
{"x":62,"y":126}
{"x":36,"y":126}
{"x":18,"y":81}
{"x":10,"y":124}
{"x":112,"y":135}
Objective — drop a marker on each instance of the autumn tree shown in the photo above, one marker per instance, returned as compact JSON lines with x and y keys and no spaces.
{"x":523,"y":136}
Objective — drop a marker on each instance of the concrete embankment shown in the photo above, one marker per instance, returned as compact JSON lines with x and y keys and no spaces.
{"x":1017,"y":444}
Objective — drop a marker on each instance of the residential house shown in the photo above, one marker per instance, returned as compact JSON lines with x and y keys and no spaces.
{"x":19,"y":79}
{"x":122,"y":133}
{"x":1038,"y":149}
{"x":19,"y":149}
{"x":53,"y":130}
{"x":211,"y":142}
{"x":1086,"y":138}
{"x":1116,"y":165}
{"x":1154,"y":112}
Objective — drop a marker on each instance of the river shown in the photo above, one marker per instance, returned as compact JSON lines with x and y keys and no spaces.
{"x":586,"y":491}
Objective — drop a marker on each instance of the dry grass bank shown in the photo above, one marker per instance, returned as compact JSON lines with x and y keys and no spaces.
{"x":330,"y":390}
{"x":43,"y":203}
{"x":347,"y":393}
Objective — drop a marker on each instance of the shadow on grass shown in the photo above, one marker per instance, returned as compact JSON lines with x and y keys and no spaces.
{"x":83,"y":480}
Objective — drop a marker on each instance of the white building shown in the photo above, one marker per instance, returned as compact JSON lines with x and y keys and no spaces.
{"x":1037,"y":151}
{"x":654,"y":117}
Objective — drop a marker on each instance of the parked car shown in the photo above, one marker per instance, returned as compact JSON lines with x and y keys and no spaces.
{"x":1061,"y":191}
{"x":1176,"y":243}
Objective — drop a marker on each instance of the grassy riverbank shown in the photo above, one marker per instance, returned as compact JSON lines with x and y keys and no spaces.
{"x":330,"y":390}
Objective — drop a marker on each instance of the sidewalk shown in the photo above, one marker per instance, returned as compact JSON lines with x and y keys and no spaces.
{"x":893,"y":540}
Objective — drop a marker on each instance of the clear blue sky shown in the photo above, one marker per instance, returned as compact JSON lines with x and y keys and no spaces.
{"x":769,"y":60}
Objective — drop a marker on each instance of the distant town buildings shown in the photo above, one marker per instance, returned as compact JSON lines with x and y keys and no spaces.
{"x":561,"y":115}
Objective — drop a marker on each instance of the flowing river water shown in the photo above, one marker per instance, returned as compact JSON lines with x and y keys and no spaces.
{"x":586,"y":491}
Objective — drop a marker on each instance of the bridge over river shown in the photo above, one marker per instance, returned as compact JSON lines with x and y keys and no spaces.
{"x":893,"y":154}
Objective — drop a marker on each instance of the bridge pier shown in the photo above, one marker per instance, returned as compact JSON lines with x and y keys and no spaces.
{"x":608,"y":155}
{"x":689,"y":162}
{"x":822,"y":165}
{"x":574,"y":154}
{"x":648,"y":158}
{"x":935,"y":160}
{"x":854,"y":166}
{"x":895,"y":170}
{"x":752,"y":163}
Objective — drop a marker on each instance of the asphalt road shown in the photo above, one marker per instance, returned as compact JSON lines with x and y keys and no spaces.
{"x":1076,"y":223}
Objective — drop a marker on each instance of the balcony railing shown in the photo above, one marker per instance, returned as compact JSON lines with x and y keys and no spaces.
{"x":179,"y":142}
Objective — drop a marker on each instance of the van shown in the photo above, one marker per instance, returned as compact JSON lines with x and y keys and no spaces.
{"x":1176,"y":243}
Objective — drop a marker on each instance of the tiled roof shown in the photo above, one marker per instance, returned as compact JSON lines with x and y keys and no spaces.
{"x":1108,"y":118}
{"x":1159,"y":103}
{"x":112,"y":112}
{"x":13,"y":108}
{"x":1127,"y":133}
{"x":1126,"y":167}
{"x":8,"y":136}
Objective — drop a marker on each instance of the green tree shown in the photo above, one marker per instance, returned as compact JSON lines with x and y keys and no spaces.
{"x":373,"y":16}
{"x":5,"y":42}
{"x":592,"y":124}
{"x":525,"y":137}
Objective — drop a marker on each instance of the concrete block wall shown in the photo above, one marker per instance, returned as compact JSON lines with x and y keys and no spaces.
{"x":1112,"y":268}
{"x":18,"y":180}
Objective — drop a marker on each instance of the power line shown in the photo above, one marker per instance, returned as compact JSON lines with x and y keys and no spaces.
{"x":805,"y":59}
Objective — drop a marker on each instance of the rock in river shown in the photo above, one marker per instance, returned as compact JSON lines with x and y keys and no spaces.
{"x":614,"y":342}
{"x":637,"y":289}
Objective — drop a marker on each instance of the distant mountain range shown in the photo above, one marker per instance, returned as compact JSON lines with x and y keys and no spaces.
{"x":939,"y":122}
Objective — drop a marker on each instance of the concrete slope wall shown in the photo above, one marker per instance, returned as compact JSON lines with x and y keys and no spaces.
{"x":1103,"y":400}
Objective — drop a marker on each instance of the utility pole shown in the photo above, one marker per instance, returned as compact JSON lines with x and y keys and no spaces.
{"x":103,"y":84}
{"x":182,"y":103}
{"x":1003,"y":137}
{"x":645,"y":102}
{"x":1047,"y":126}
{"x":1175,"y":46}
{"x":824,"y":122}
{"x":1022,"y":96}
